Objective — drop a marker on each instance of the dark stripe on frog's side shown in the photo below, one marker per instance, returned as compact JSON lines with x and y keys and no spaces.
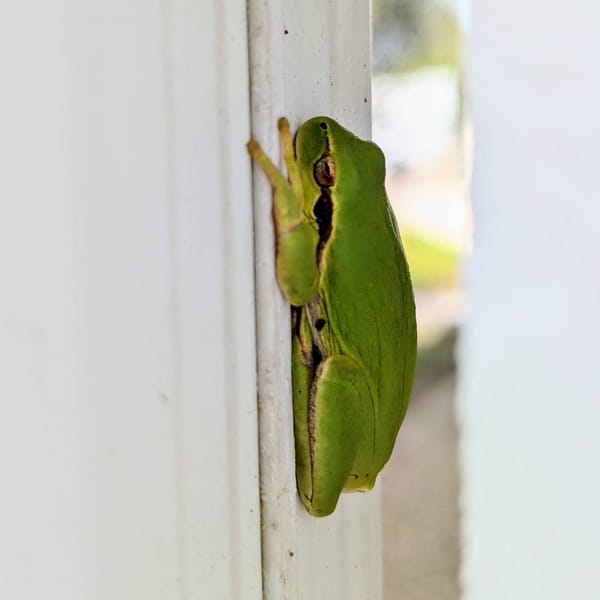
{"x":323,"y":212}
{"x":323,"y":208}
{"x":304,"y":337}
{"x":307,"y":325}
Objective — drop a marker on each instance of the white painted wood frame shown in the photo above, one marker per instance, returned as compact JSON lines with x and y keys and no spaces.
{"x":128,"y":433}
{"x":306,"y":58}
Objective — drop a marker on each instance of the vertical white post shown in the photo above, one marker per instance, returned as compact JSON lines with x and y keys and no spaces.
{"x":307,"y":58}
{"x":530,"y":393}
{"x":128,"y":432}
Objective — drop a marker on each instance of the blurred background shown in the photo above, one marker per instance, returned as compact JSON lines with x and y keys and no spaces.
{"x":419,"y":122}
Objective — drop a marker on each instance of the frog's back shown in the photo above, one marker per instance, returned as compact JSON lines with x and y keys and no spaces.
{"x":366,"y":289}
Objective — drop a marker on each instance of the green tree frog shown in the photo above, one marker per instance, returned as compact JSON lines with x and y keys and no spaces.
{"x":341,"y":265}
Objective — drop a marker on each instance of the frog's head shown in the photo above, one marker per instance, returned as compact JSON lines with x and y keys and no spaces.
{"x":330,"y":157}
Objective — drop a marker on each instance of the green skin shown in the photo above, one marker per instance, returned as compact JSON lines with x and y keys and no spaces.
{"x":341,"y":265}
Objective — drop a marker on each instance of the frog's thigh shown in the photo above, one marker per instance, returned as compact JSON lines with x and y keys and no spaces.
{"x":339,"y":400}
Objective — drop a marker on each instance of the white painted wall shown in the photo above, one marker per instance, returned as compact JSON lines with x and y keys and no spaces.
{"x":530,"y":393}
{"x":128,"y":428}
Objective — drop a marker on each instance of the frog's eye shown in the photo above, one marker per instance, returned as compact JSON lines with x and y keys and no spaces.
{"x":325,"y":172}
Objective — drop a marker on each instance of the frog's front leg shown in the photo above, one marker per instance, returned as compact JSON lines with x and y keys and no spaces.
{"x":297,"y":237}
{"x":334,"y":431}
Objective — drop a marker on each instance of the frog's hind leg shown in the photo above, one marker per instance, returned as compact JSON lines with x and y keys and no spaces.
{"x":339,"y":417}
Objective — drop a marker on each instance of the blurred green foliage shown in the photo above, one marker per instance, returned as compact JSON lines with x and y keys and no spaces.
{"x":432,"y":263}
{"x":410,"y":34}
